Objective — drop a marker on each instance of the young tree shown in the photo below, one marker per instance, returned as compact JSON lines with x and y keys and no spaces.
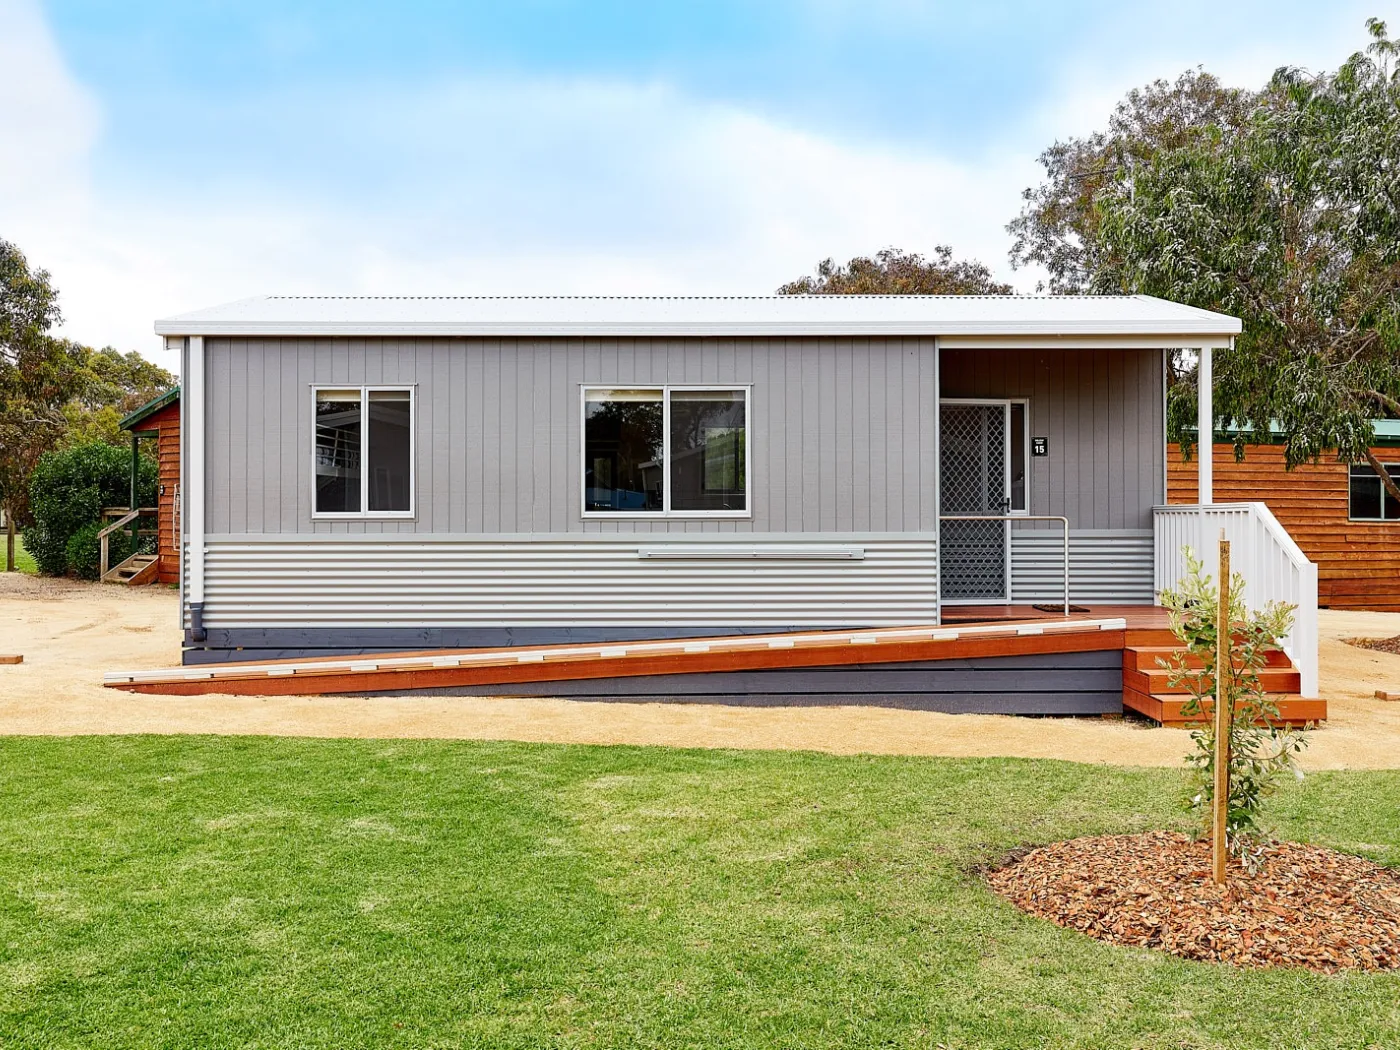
{"x":895,"y":272}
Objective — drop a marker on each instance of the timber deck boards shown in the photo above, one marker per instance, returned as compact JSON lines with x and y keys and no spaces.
{"x":465,"y":668}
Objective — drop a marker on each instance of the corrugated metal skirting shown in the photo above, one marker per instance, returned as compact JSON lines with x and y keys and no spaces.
{"x":602,"y":580}
{"x":1105,"y":565}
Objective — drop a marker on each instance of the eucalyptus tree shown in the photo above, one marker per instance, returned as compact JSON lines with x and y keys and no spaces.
{"x":1281,"y":207}
{"x":896,"y":272}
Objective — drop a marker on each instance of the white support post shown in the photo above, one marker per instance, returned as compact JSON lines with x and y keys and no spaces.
{"x":938,"y":479}
{"x":192,"y":410}
{"x":1205,"y":431}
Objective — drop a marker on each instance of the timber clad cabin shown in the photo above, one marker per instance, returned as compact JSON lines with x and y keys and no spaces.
{"x":396,"y":475}
{"x":1339,"y":514}
{"x":159,"y":419}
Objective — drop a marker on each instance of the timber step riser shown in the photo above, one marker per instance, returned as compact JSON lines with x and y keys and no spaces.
{"x":1148,"y":691}
{"x":1159,"y":682}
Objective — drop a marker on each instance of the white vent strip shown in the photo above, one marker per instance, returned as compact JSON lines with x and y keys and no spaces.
{"x":737,"y":644}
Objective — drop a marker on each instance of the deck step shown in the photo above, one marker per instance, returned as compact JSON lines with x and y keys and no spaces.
{"x":1158,"y":681}
{"x":1145,"y":657}
{"x":1293,"y":710}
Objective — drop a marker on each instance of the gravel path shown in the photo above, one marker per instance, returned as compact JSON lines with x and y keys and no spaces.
{"x":71,"y":632}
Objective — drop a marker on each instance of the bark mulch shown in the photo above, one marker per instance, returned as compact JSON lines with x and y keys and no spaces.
{"x":1383,"y":645}
{"x":1307,"y":906}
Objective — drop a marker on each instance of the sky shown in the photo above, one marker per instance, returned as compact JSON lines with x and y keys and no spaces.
{"x":162,"y":157}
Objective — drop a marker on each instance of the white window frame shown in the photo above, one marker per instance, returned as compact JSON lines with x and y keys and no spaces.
{"x":1393,"y":469}
{"x":1025,"y":404}
{"x":666,"y":512}
{"x":365,"y":514}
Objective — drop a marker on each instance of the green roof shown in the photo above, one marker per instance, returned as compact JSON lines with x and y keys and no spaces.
{"x":150,"y":408}
{"x":1387,"y":432}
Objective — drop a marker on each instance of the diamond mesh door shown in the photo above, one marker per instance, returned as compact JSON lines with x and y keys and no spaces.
{"x":972,"y":479}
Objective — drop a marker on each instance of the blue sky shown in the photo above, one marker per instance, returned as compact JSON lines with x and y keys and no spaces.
{"x":165,"y":156}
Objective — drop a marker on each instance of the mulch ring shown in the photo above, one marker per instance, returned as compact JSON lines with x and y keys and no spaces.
{"x":1382,"y":645}
{"x":1307,"y":906}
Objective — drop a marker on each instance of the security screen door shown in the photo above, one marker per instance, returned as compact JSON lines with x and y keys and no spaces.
{"x":974,"y":479}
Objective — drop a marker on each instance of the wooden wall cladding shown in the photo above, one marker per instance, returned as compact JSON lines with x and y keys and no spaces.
{"x":1358,"y":563}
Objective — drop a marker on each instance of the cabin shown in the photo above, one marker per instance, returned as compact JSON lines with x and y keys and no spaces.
{"x":1339,"y":513}
{"x":753,"y":499}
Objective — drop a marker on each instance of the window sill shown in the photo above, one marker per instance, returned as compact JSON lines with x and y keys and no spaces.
{"x":388,"y":516}
{"x":675,"y":515}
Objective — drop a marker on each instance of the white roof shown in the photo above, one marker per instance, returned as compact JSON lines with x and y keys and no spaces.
{"x":1046,"y":317}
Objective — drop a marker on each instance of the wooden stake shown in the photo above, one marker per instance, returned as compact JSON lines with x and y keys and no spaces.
{"x":9,"y":542}
{"x":1223,"y":641}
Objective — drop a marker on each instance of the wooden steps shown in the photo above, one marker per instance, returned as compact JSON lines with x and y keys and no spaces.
{"x":1147,"y":688}
{"x":469,"y":667}
{"x":136,"y":571}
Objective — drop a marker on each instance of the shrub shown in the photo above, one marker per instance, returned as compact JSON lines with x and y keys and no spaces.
{"x":1260,"y":750}
{"x":68,"y":489}
{"x":84,"y":550}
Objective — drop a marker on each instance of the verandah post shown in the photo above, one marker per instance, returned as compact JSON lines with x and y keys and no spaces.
{"x":1221,"y":792}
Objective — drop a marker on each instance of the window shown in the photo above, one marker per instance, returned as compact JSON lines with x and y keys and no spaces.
{"x":364,"y":452}
{"x":665,"y":450}
{"x":1368,"y":499}
{"x":1018,"y":451}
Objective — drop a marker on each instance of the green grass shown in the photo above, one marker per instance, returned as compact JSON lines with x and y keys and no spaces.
{"x":182,"y":892}
{"x":24,"y":561}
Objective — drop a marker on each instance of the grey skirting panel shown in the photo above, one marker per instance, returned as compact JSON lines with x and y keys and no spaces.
{"x":1039,"y":684}
{"x":240,"y":644}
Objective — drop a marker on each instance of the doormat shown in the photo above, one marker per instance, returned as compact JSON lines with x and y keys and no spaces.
{"x":1058,"y":608}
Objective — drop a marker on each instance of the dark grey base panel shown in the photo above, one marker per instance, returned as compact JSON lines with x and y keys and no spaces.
{"x":1039,"y":684}
{"x":225,"y":645}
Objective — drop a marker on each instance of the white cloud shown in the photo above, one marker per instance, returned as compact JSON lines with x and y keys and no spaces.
{"x":486,"y":187}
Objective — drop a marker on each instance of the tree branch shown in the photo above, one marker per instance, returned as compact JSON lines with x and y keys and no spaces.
{"x":1390,"y":484}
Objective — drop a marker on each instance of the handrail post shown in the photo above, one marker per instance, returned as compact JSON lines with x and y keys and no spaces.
{"x":1064,"y":523}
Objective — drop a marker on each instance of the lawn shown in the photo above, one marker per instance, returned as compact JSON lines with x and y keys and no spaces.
{"x":218,"y":892}
{"x":24,"y":561}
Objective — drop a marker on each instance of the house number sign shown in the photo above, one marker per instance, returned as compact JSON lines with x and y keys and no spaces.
{"x":1040,"y":446}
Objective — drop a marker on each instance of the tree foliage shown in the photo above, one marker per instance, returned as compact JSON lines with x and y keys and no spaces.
{"x":896,"y":272}
{"x":1281,"y":207}
{"x":54,"y":391}
{"x":1059,"y":227}
{"x":38,"y":375}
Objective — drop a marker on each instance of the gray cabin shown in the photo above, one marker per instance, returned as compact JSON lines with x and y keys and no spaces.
{"x":379,"y":474}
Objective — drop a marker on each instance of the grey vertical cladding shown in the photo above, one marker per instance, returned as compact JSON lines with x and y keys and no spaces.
{"x":1102,"y":411}
{"x":841,"y":431}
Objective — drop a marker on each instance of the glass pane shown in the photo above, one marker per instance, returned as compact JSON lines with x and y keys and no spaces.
{"x":1018,"y":457}
{"x":622,"y":450}
{"x":1365,"y":496}
{"x":708,"y":437}
{"x":337,"y":451}
{"x":390,"y":430}
{"x":1392,"y":505}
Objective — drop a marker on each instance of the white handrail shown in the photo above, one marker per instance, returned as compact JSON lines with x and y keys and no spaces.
{"x":1273,"y":566}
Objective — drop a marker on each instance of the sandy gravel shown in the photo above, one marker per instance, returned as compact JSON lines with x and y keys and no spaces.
{"x":69,"y":633}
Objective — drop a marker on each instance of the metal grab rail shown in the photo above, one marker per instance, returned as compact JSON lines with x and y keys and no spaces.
{"x":1064,"y":525}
